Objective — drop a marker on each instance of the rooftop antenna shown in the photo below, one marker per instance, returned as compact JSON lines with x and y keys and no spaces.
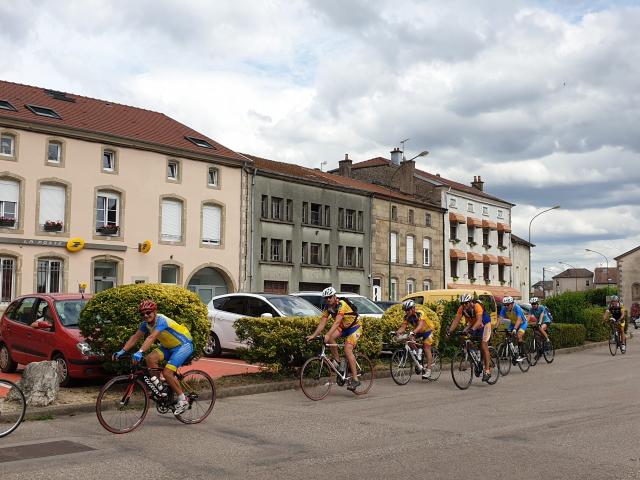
{"x":403,"y":142}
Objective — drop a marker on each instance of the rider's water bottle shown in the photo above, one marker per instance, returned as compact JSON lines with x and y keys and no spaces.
{"x":158,"y":384}
{"x":419,"y":354}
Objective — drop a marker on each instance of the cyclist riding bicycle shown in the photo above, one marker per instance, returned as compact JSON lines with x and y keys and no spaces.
{"x":176,"y":346}
{"x":541,"y":316}
{"x":518,"y":322}
{"x":347,"y":325}
{"x":421,"y":329}
{"x":478,"y":323}
{"x":617,"y":315}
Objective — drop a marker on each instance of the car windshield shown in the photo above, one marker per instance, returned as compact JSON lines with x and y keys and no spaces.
{"x":294,"y":306}
{"x":365,"y":306}
{"x":69,"y":311}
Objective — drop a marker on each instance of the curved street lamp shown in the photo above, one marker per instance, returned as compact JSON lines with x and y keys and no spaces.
{"x":529,"y":239}
{"x":606,"y":260}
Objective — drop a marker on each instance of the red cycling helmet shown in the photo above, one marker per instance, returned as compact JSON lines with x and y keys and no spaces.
{"x":148,"y":305}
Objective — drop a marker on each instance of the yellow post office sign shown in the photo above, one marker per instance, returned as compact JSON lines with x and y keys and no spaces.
{"x":145,"y":246}
{"x":75,"y":244}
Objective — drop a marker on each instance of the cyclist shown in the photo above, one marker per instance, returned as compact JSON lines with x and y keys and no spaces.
{"x":421,"y":329}
{"x":346,"y":324}
{"x":176,"y":346}
{"x":478,"y":323}
{"x":616,"y":314}
{"x":514,"y":313}
{"x":540,"y":315}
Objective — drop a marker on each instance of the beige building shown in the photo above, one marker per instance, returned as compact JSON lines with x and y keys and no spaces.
{"x":113,"y":177}
{"x":521,"y":258}
{"x":573,"y":280}
{"x":629,"y":277}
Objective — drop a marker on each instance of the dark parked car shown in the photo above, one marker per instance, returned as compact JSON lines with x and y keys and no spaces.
{"x":43,"y":326}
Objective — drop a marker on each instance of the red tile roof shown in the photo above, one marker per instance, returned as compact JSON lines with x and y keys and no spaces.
{"x":601,"y":277}
{"x":90,"y":115}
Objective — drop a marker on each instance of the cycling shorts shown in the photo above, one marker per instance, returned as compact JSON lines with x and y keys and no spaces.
{"x":427,"y":338}
{"x":483,"y":333}
{"x":351,"y":334}
{"x":523,"y":327}
{"x":176,"y":356}
{"x":620,"y":323}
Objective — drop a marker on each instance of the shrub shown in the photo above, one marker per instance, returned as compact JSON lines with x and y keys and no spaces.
{"x":565,"y":335}
{"x":598,"y":296}
{"x":567,"y":307}
{"x":112,"y":316}
{"x":597,"y":330}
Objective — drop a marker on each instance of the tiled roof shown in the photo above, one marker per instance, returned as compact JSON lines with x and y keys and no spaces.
{"x":575,"y":273}
{"x":602,"y":277}
{"x":633,"y":250}
{"x":521,"y":241}
{"x":90,"y":115}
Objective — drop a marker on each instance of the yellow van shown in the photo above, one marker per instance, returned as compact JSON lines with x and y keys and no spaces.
{"x":435,"y":296}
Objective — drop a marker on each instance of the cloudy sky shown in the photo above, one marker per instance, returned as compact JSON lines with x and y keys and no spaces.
{"x":540,"y":98}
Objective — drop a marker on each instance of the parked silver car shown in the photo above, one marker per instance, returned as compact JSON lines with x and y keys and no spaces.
{"x":366,"y":307}
{"x":224,"y":310}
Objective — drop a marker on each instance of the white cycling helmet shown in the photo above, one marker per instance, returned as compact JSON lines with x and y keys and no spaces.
{"x":408,"y":305}
{"x":615,"y":298}
{"x":465,"y":297}
{"x":507,"y":300}
{"x":328,"y":292}
{"x":534,"y":300}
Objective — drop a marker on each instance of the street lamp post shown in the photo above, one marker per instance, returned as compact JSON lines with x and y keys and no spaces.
{"x":606,"y":260}
{"x":529,"y":240}
{"x":575,"y":272}
{"x":421,"y":154}
{"x":543,"y":279}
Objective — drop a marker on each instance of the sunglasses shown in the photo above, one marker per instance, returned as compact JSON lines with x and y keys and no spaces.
{"x":147,"y":313}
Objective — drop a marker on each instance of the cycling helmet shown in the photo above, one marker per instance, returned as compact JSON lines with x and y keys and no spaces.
{"x":507,"y":300}
{"x":147,"y":305}
{"x":534,"y":300}
{"x":328,"y":292}
{"x":615,"y":298}
{"x":408,"y":305}
{"x":465,"y":297}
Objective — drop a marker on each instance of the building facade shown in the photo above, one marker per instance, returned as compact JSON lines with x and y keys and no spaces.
{"x":521,"y":258}
{"x":114,"y":180}
{"x":573,"y":280}
{"x":628,"y":266}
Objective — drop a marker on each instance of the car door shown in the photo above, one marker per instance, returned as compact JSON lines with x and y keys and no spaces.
{"x":43,"y":339}
{"x":17,"y":332}
{"x":256,"y":307}
{"x":226,"y":313}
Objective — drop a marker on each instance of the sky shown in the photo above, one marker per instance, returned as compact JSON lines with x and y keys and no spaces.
{"x":540,"y":98}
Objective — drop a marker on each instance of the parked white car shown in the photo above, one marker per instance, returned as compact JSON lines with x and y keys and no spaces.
{"x":224,"y":310}
{"x":366,"y":307}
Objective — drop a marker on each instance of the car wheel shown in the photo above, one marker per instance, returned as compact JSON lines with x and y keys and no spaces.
{"x":212,"y":348}
{"x":63,"y":370}
{"x":7,"y":364}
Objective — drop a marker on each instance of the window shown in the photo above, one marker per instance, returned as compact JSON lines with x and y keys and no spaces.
{"x":485,"y":211}
{"x":501,"y":274}
{"x":427,"y":219}
{"x":500,"y":239}
{"x":393,"y":247}
{"x":169,"y":274}
{"x":394,"y":290}
{"x":326,"y":257}
{"x":471,"y":234}
{"x":486,"y":271}
{"x":287,"y":251}
{"x":199,"y":142}
{"x":341,"y":217}
{"x":426,"y":247}
{"x":173,"y":170}
{"x":454,"y":267}
{"x":264,"y":210}
{"x":360,"y":221}
{"x":453,"y":231}
{"x":54,"y":152}
{"x":327,"y":216}
{"x":276,"y":208}
{"x":471,"y":270}
{"x":500,"y":214}
{"x":360,"y":257}
{"x":305,"y":252}
{"x":305,"y":212}
{"x":4,"y":105}
{"x":212,"y":176}
{"x":108,"y":161}
{"x":263,"y":249}
{"x":52,"y":207}
{"x":469,"y":207}
{"x":587,"y":283}
{"x":9,"y":194}
{"x":411,"y":286}
{"x":275,"y":286}
{"x":314,"y":257}
{"x":410,"y":250}
{"x":105,"y":275}
{"x":485,"y":237}
{"x":7,"y":279}
{"x":426,"y":285}
{"x":635,"y":292}
{"x":288,"y":210}
{"x":340,"y":256}
{"x":453,"y":203}
{"x":411,"y":217}
{"x":394,"y":213}
{"x":350,"y":219}
{"x":276,"y":250}
{"x":316,"y":214}
{"x":212,"y":224}
{"x":43,"y":111}
{"x":7,"y":145}
{"x":172,"y":220}
{"x":49,"y":276}
{"x":350,"y":257}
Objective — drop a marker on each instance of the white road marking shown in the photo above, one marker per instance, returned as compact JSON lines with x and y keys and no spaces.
{"x":231,"y":363}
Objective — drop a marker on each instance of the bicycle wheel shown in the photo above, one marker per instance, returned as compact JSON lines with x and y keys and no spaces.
{"x":365,"y":373}
{"x":315,"y":378}
{"x":436,"y":367}
{"x":461,"y":369}
{"x":12,"y":407}
{"x":494,"y":362}
{"x":549,"y":352}
{"x":532,"y":346}
{"x":525,"y":364}
{"x":613,"y":343}
{"x":200,"y":390}
{"x":504,"y":359}
{"x":122,"y":404}
{"x":401,"y":367}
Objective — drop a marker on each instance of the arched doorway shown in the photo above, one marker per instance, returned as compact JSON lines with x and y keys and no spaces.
{"x":207,"y":283}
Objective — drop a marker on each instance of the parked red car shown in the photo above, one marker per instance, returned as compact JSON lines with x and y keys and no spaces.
{"x":44,"y":326}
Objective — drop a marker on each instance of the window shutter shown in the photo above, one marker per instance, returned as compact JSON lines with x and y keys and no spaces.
{"x":211,"y":224}
{"x":394,"y":246}
{"x":52,"y":200}
{"x":171,"y":220}
{"x":9,"y":191}
{"x":410,"y":250}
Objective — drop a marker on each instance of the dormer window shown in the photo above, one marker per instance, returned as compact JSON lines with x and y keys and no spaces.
{"x":199,"y":142}
{"x":43,"y":111}
{"x":4,"y":105}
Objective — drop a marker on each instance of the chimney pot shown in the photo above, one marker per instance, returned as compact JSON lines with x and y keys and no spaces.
{"x":478,"y":183}
{"x":344,"y":166}
{"x":396,"y":156}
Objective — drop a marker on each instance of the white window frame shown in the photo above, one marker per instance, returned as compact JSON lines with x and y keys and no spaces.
{"x":393,"y":242}
{"x":216,"y":176}
{"x":500,"y":214}
{"x":175,"y":174}
{"x":48,"y":272}
{"x":426,"y":252}
{"x":58,"y":158}
{"x":12,"y":287}
{"x":16,"y":208}
{"x":411,"y":286}
{"x":411,"y":245}
{"x":177,"y":272}
{"x":470,"y":207}
{"x":112,"y":156}
{"x":426,"y":285}
{"x":171,"y":203}
{"x":393,"y":294}
{"x":485,"y":211}
{"x":106,"y":196}
{"x":12,"y":139}
{"x":46,"y":203}
{"x":453,"y":203}
{"x":205,"y":236}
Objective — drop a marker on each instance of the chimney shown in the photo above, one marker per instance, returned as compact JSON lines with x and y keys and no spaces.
{"x":407,"y":180}
{"x":396,"y":156}
{"x":478,"y":183}
{"x":344,"y":166}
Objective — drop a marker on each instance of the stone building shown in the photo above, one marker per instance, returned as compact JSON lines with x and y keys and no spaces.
{"x":628,"y":266}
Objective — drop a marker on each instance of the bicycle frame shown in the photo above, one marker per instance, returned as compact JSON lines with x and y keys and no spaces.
{"x":411,"y":351}
{"x":323,"y":354}
{"x":468,"y":346}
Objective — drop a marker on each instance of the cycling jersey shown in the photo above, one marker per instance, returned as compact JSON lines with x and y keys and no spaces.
{"x":478,"y":309}
{"x":172,"y":334}
{"x":513,"y":315}
{"x":414,"y":321}
{"x":536,"y":312}
{"x":349,"y":317}
{"x":616,"y":311}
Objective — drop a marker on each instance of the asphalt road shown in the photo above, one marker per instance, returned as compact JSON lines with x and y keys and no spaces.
{"x":577,"y":418}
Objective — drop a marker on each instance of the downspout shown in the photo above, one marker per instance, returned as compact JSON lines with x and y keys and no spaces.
{"x":250,"y":219}
{"x":444,"y":253}
{"x":370,"y":274}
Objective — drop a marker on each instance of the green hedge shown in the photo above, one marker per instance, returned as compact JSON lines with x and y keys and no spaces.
{"x":597,"y":329}
{"x":112,"y":316}
{"x":565,"y":335}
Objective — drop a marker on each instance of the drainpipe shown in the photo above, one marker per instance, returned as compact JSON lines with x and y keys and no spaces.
{"x":250,"y":220}
{"x":444,"y":253}
{"x":370,"y":274}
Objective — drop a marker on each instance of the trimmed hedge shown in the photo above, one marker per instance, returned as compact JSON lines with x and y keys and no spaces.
{"x":597,"y":329}
{"x":565,"y":335}
{"x":111,"y":316}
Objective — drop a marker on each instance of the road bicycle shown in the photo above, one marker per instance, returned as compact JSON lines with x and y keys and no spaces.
{"x":405,"y":360}
{"x":615,"y":342}
{"x":538,"y":346}
{"x":13,"y":406}
{"x":508,"y":352}
{"x":123,"y":402}
{"x":318,"y":374}
{"x":467,"y":361}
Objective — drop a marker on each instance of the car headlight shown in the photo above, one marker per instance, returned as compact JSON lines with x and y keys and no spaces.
{"x":84,"y":348}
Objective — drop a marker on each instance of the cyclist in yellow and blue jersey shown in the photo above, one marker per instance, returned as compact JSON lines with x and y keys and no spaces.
{"x":347,"y":325}
{"x":176,"y":346}
{"x":421,"y":329}
{"x":617,"y":315}
{"x":518,"y":322}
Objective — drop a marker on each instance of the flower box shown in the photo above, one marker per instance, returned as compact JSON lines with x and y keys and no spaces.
{"x":52,"y":226}
{"x":472,"y":280}
{"x":108,"y":229}
{"x":455,"y":279}
{"x":502,"y":282}
{"x":7,"y":222}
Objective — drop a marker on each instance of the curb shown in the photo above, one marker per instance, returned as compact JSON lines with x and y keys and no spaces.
{"x":40,"y":413}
